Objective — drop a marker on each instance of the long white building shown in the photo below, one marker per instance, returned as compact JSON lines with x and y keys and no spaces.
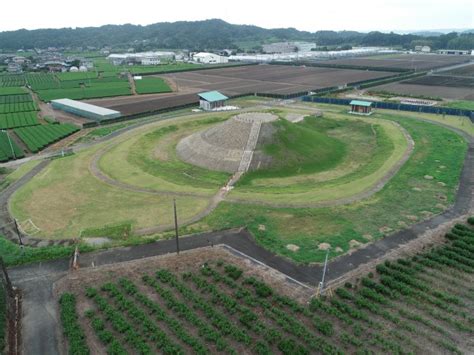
{"x":297,"y":56}
{"x":144,"y":58}
{"x":209,"y":58}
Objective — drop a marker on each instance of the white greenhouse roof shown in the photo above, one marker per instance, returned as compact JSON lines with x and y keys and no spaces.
{"x":85,"y":107}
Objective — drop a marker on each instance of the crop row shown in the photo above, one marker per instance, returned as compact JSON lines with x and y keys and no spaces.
{"x":6,"y":146}
{"x":396,"y":310}
{"x":120,"y":323}
{"x":71,"y":327}
{"x":38,"y":137}
{"x":12,"y":80}
{"x":13,"y":99}
{"x":175,"y":325}
{"x":17,"y":107}
{"x":18,"y":119}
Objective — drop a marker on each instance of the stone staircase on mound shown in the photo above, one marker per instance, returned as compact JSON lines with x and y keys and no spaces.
{"x":250,"y":147}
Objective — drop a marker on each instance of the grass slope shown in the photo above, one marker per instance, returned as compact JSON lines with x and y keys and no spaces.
{"x":300,"y":148}
{"x":438,"y":152}
{"x":65,"y":198}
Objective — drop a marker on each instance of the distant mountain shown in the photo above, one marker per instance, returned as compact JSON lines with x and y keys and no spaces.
{"x":202,"y":35}
{"x":427,"y":33}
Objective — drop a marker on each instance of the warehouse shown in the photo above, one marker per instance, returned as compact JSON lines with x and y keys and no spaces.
{"x":82,"y":109}
{"x":209,"y":58}
{"x":211,"y":100}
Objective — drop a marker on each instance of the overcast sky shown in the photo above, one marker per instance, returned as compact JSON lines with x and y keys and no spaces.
{"x":312,"y":15}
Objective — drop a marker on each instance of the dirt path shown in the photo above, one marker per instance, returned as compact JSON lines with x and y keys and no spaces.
{"x":131,"y":81}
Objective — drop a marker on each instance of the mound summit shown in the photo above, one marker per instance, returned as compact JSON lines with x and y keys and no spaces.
{"x":231,"y":145}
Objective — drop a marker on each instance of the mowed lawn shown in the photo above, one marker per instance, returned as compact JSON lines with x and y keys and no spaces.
{"x":407,"y":198}
{"x":147,"y":158}
{"x":363,"y":167}
{"x":66,"y":198}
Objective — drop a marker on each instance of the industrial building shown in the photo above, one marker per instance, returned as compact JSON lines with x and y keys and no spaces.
{"x":424,"y":49}
{"x":455,"y":52}
{"x":361,"y":107}
{"x":143,"y":58}
{"x":82,"y":109}
{"x":209,"y":58}
{"x":211,"y":100}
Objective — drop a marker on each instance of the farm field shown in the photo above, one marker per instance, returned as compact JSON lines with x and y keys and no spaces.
{"x":467,"y":70}
{"x":227,"y":304}
{"x":151,"y":85}
{"x":443,"y":80}
{"x":139,"y":171}
{"x":18,"y":119}
{"x":427,"y":91}
{"x":404,"y":61}
{"x":17,"y":109}
{"x":5,"y":91}
{"x":272,"y":79}
{"x":38,"y":137}
{"x":8,"y":148}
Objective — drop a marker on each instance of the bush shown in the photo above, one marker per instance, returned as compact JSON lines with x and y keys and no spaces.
{"x":470,"y":220}
{"x":233,"y":271}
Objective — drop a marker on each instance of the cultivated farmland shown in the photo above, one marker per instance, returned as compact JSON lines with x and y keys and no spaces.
{"x":403,"y":61}
{"x":151,"y":85}
{"x":37,"y":138}
{"x":6,"y":146}
{"x":226,"y":304}
{"x":19,"y":119}
{"x":271,"y":79}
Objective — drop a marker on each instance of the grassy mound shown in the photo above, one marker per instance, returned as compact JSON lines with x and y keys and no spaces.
{"x":301,"y":148}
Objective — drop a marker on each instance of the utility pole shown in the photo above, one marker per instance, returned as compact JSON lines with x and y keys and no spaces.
{"x":7,"y":278}
{"x":18,"y":231}
{"x":321,"y":284}
{"x":176,"y":226}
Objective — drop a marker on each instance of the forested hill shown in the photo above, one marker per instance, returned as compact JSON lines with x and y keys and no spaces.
{"x":210,"y":34}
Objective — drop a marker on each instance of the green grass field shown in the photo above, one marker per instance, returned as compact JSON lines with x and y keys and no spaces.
{"x":65,"y":199}
{"x":151,"y":85}
{"x":463,"y":105}
{"x":146,"y":158}
{"x":407,"y":198}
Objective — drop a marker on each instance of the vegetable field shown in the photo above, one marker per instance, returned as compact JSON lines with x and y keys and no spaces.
{"x":422,"y":304}
{"x":151,"y":85}
{"x":6,"y":146}
{"x":38,"y":137}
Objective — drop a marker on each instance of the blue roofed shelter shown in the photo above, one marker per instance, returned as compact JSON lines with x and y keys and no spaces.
{"x":211,"y":100}
{"x":361,"y":107}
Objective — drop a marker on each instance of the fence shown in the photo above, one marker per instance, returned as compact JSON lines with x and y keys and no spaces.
{"x":397,"y":106}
